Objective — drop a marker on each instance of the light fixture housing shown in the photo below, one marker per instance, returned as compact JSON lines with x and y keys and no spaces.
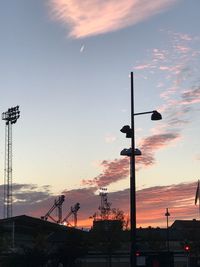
{"x":128,"y":152}
{"x":156,"y":116}
{"x":127,"y":130}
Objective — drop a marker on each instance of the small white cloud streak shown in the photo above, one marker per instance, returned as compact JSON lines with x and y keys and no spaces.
{"x":93,"y":17}
{"x":110,"y":138}
{"x":82,"y":49}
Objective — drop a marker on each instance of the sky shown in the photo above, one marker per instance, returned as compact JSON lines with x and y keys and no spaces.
{"x":67,"y":64}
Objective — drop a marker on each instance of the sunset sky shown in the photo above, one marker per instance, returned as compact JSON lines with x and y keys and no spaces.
{"x":67,"y":64}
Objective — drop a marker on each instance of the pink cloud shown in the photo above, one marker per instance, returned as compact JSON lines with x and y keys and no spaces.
{"x":142,"y":67}
{"x":182,"y":49}
{"x":113,"y":171}
{"x":178,"y":66}
{"x":185,"y":37}
{"x":177,"y":36}
{"x":151,"y":144}
{"x":191,"y":96}
{"x":118,"y":169}
{"x":152,"y":203}
{"x":158,"y":141}
{"x":166,"y":94}
{"x":92,"y":17}
{"x":159,"y":54}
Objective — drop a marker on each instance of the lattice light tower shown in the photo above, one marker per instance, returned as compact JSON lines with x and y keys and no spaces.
{"x":10,"y":117}
{"x":105,"y":205}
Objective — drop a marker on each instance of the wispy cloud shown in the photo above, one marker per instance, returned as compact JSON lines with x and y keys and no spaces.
{"x":158,"y":141}
{"x":110,"y":138}
{"x":112,"y":172}
{"x":179,"y":98}
{"x":151,"y":144}
{"x":176,"y":63}
{"x":29,"y":199}
{"x":179,"y":198}
{"x":118,"y":169}
{"x":191,"y":96}
{"x":177,"y":66}
{"x":92,"y":17}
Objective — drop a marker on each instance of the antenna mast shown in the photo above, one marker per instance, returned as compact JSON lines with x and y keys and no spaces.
{"x":10,"y":116}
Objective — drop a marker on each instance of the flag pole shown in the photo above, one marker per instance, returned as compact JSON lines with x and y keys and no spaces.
{"x":197,"y":196}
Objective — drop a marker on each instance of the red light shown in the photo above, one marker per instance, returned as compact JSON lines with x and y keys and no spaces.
{"x":137,"y":253}
{"x":187,"y":248}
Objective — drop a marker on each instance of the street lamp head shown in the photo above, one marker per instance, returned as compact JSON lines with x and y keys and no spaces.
{"x":156,"y":116}
{"x":167,"y":212}
{"x":128,"y":152}
{"x":137,"y":152}
{"x":127,"y":130}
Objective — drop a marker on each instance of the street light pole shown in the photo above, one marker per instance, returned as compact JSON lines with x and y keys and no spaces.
{"x":132,"y":183}
{"x":132,"y":152}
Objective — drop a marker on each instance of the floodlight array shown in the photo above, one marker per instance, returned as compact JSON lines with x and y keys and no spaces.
{"x":11,"y":115}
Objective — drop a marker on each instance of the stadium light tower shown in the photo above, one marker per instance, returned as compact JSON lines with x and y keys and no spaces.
{"x":10,"y":117}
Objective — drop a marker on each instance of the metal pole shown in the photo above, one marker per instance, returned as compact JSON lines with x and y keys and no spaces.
{"x":133,"y":262}
{"x":13,"y":234}
{"x":8,"y":171}
{"x":5,"y":176}
{"x":167,"y":214}
{"x":188,"y":260}
{"x":168,"y":239}
{"x":167,"y":234}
